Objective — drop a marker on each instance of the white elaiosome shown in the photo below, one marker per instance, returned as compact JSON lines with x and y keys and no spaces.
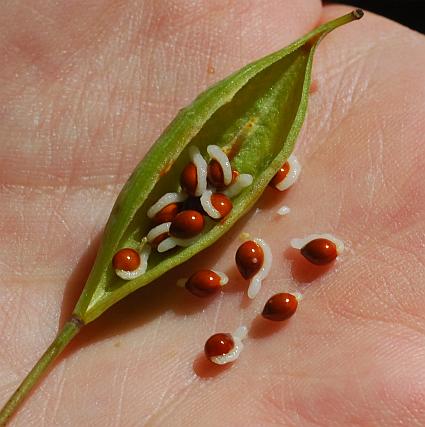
{"x":208,"y":206}
{"x":218,"y":154}
{"x":166,"y":245}
{"x":255,"y":284}
{"x":233,"y":354}
{"x":224,"y":279}
{"x":293,"y":174}
{"x":164,"y":201}
{"x":171,"y":242}
{"x":201,"y":169}
{"x":242,"y":181}
{"x":141,"y":269}
{"x":241,"y":332}
{"x":284,"y":210}
{"x":158,"y":230}
{"x":301,"y":242}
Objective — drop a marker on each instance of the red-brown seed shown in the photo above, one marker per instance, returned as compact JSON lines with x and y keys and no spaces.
{"x":320,"y":251}
{"x":189,"y":179}
{"x":249,"y":258}
{"x":280,"y":175}
{"x":166,"y":214}
{"x":203,"y":283}
{"x":280,"y":307}
{"x":218,"y":345}
{"x":187,"y":224}
{"x":221,"y":203}
{"x":126,"y":259}
{"x":215,"y":174}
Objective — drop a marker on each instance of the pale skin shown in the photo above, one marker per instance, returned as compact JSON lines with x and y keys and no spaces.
{"x":85,"y":89}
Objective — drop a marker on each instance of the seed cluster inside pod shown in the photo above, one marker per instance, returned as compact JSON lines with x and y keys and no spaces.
{"x":178,"y":218}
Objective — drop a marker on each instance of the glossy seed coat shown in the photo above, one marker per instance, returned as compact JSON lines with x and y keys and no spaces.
{"x":215,"y":174}
{"x":320,"y":251}
{"x":280,"y":307}
{"x":280,"y":175}
{"x":203,"y":283}
{"x":166,"y":214}
{"x":218,"y":345}
{"x":221,"y":203}
{"x":187,"y":224}
{"x":126,"y":259}
{"x":189,"y":179}
{"x":249,"y":259}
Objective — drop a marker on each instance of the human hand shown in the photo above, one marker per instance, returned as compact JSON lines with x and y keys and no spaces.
{"x":85,"y":89}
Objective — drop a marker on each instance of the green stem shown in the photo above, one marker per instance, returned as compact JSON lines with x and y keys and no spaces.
{"x":65,"y":335}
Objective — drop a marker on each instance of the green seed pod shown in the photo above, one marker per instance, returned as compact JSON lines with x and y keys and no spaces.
{"x":254,"y":116}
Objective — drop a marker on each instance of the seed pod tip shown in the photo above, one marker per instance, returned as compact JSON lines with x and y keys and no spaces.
{"x":358,"y":13}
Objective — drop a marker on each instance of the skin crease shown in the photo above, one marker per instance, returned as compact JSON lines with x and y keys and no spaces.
{"x":85,"y":89}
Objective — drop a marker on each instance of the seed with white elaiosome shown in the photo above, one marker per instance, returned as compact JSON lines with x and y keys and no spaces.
{"x":166,"y":214}
{"x":221,"y":203}
{"x":287,"y":175}
{"x":159,"y":233}
{"x":215,"y":174}
{"x":224,"y":348}
{"x":249,"y":258}
{"x":219,"y":345}
{"x":280,"y":307}
{"x":319,"y":249}
{"x":280,"y":175}
{"x":163,"y":202}
{"x":141,"y":268}
{"x":187,"y":224}
{"x":193,"y":178}
{"x":254,"y":259}
{"x":215,"y":205}
{"x":204,"y":283}
{"x":219,"y":173}
{"x":126,"y":259}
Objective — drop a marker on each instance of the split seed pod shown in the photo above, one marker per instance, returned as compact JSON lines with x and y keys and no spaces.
{"x":262,"y":105}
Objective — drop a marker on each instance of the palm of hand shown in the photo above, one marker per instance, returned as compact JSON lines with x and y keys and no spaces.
{"x":82,"y":102}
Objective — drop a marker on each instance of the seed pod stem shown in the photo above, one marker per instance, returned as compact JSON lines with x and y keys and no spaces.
{"x":66,"y":334}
